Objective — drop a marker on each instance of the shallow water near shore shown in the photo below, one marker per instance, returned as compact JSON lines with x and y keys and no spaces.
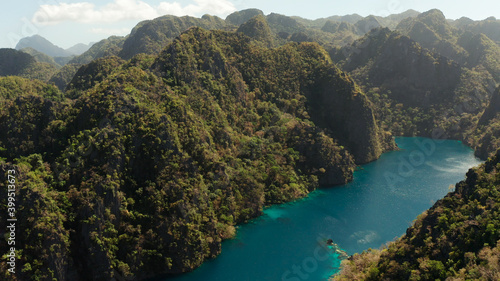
{"x":289,"y":242}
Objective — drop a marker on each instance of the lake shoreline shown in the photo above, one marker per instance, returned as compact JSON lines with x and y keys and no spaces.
{"x":274,"y":216}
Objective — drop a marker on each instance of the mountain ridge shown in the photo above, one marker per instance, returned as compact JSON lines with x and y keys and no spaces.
{"x":155,"y":145}
{"x":162,"y":155}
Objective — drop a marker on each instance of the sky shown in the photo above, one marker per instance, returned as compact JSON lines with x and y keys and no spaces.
{"x":68,"y":22}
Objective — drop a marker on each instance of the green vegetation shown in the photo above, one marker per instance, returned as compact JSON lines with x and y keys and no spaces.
{"x":457,"y":239}
{"x":420,"y":93}
{"x":145,"y":152}
{"x":41,"y":57}
{"x":440,"y":81}
{"x":258,"y":29}
{"x":144,"y":166}
{"x":104,"y":48}
{"x":18,"y":63}
{"x":62,"y":78}
{"x":240,"y":17}
{"x":152,"y":36}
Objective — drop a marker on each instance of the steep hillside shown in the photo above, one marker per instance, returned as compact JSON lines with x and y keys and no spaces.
{"x":13,"y":62}
{"x":87,"y":76}
{"x":40,"y":57}
{"x":487,"y":132}
{"x":104,"y":48}
{"x":467,"y":42}
{"x":64,"y":76}
{"x":399,"y":66}
{"x":418,"y":92}
{"x":152,"y":36}
{"x":258,"y":29}
{"x":18,"y":63}
{"x":156,"y":159}
{"x":457,"y":239}
{"x":42,"y":45}
{"x":432,"y":31}
{"x":482,"y":53}
{"x":240,"y":17}
{"x":489,"y":27}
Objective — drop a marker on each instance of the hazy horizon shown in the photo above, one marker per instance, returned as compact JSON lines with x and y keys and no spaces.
{"x":67,"y":23}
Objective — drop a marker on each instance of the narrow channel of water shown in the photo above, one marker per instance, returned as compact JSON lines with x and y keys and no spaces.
{"x":289,"y":242}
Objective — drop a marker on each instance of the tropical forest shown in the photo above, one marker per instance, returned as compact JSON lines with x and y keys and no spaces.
{"x":142,"y":157}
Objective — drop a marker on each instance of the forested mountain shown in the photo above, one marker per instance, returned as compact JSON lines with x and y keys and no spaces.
{"x":150,"y":37}
{"x":420,"y":92}
{"x":466,"y":43}
{"x":41,"y":57}
{"x":487,"y":134}
{"x":489,"y":27}
{"x":44,"y":46}
{"x":437,"y":79}
{"x":143,"y":153}
{"x":240,"y":17}
{"x":104,"y":48}
{"x":457,"y":239}
{"x":13,"y":62}
{"x":257,"y":28}
{"x":154,"y":160}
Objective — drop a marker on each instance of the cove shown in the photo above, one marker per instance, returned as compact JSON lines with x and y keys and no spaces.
{"x":289,"y":241}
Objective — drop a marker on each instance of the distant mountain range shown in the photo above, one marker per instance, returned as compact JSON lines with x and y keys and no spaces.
{"x":145,"y":151}
{"x":43,"y":45}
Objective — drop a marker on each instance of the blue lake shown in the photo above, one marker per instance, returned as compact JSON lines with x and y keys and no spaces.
{"x":289,"y":242}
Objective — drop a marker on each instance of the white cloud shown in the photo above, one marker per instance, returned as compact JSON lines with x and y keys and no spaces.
{"x":120,"y":10}
{"x":110,"y":31}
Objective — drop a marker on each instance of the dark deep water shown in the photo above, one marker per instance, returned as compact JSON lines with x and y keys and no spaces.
{"x":289,"y":241}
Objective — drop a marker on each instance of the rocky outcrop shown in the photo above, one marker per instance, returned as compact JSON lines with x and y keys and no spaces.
{"x":240,"y":17}
{"x":337,"y":104}
{"x":489,"y":128}
{"x":492,"y":110}
{"x":152,"y":36}
{"x":455,"y":239}
{"x":90,"y":74}
{"x":413,"y":75}
{"x":258,"y":29}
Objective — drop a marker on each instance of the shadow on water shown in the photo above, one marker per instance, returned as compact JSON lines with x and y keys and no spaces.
{"x":291,"y":241}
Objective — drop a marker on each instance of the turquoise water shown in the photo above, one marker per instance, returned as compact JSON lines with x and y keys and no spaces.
{"x":289,"y":241}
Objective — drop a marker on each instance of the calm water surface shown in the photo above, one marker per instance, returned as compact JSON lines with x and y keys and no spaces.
{"x":289,"y":241}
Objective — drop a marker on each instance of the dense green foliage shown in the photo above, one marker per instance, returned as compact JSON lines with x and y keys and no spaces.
{"x":258,"y":29}
{"x":157,"y":144}
{"x":457,"y":239}
{"x":12,"y":87}
{"x":152,"y":36}
{"x":65,"y":74}
{"x":104,"y":48}
{"x":41,"y":57}
{"x":146,"y":165}
{"x":14,"y":62}
{"x":419,"y":92}
{"x":440,"y":81}
{"x":487,"y":133}
{"x":18,"y":63}
{"x":240,"y":17}
{"x":90,"y":74}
